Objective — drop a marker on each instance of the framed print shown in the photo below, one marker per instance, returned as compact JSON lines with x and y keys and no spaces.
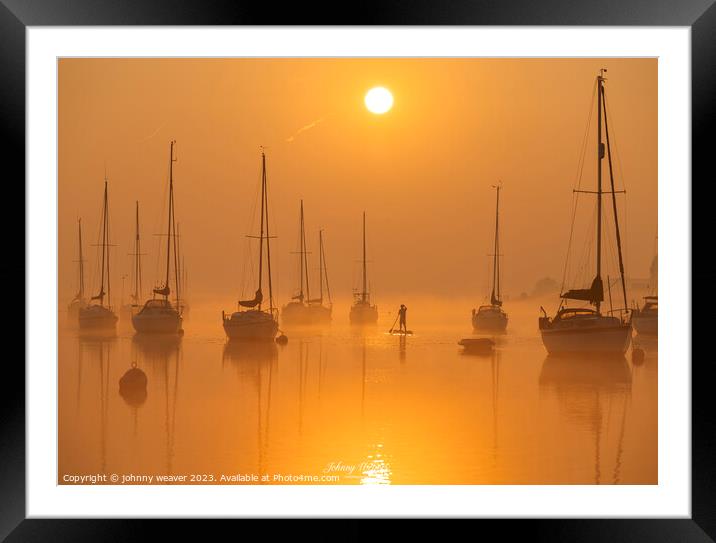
{"x":372,"y":271}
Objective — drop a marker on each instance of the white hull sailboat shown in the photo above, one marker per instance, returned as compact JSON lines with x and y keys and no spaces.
{"x":362,"y":312}
{"x":158,"y":315}
{"x":253,"y":322}
{"x":303,"y":310}
{"x":587,"y":330}
{"x":97,"y":316}
{"x":491,"y":317}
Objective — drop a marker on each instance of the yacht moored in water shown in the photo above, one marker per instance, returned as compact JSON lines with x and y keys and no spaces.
{"x":97,"y":315}
{"x":588,"y":330}
{"x":362,"y":311}
{"x":492,"y":317}
{"x":158,"y":315}
{"x":253,"y":322}
{"x":302,"y":309}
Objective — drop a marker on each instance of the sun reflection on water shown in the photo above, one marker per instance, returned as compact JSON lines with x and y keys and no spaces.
{"x":375,"y":469}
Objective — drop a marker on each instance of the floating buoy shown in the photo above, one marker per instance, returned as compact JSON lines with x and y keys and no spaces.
{"x":282,"y":339}
{"x":637,"y":355}
{"x":133,"y":386}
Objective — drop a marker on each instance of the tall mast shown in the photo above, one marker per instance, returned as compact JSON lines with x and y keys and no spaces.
{"x":320,"y":264}
{"x":614,"y":203}
{"x":364,"y":293}
{"x":170,"y":217}
{"x":303,"y":260}
{"x":496,"y":259}
{"x":304,"y":257}
{"x":105,"y":252}
{"x":600,"y":156}
{"x":268,"y":237}
{"x":81,"y":261}
{"x":137,"y":258}
{"x":324,"y":275}
{"x":261,"y":227}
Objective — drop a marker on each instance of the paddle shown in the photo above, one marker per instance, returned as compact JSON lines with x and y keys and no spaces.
{"x":393,"y":325}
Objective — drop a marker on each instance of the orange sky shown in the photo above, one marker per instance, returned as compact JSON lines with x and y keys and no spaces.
{"x":423,"y":172}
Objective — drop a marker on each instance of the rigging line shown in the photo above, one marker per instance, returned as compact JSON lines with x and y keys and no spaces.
{"x":614,"y":203}
{"x":625,"y":215}
{"x":575,"y":195}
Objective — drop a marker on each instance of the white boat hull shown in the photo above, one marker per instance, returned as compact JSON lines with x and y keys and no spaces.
{"x":587,"y":340}
{"x":251,"y":325}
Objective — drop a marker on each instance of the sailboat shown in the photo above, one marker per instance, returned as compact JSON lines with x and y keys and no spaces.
{"x":78,"y":302}
{"x":646,"y":318}
{"x":253,"y":322}
{"x":158,"y":315}
{"x":587,"y":330}
{"x":303,"y":309}
{"x":362,"y":312}
{"x":492,"y":317}
{"x":130,"y":309}
{"x":96,"y":315}
{"x":320,"y":312}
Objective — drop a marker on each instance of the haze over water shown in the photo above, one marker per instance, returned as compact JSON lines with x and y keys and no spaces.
{"x":359,"y":404}
{"x":412,"y":410}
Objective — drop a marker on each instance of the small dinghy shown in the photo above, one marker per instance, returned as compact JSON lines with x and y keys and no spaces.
{"x":477,"y":345}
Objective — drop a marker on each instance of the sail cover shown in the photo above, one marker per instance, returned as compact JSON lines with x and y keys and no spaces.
{"x":593,"y":294}
{"x":252,"y":303}
{"x":162,"y":291}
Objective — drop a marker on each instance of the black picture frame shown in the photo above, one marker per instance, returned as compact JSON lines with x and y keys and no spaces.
{"x":16,"y":15}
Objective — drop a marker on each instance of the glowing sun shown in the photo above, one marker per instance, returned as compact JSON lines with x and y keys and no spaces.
{"x":378,"y":100}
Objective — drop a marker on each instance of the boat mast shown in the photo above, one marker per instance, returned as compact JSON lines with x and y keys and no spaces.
{"x":105,"y":251}
{"x":176,"y":250}
{"x":600,"y":156}
{"x":303,"y":260}
{"x":268,"y":237}
{"x":614,"y":203}
{"x":321,"y":263}
{"x":137,"y":259}
{"x":304,"y":257}
{"x":81,"y":261}
{"x":169,"y":218}
{"x":496,"y":261}
{"x":261,"y":227}
{"x":364,"y":294}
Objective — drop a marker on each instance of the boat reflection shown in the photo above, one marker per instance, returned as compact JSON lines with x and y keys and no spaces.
{"x":254,"y":362}
{"x":591,"y":391}
{"x":161,"y":355}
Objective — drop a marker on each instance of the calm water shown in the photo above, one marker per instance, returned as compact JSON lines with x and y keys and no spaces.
{"x":365,"y":406}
